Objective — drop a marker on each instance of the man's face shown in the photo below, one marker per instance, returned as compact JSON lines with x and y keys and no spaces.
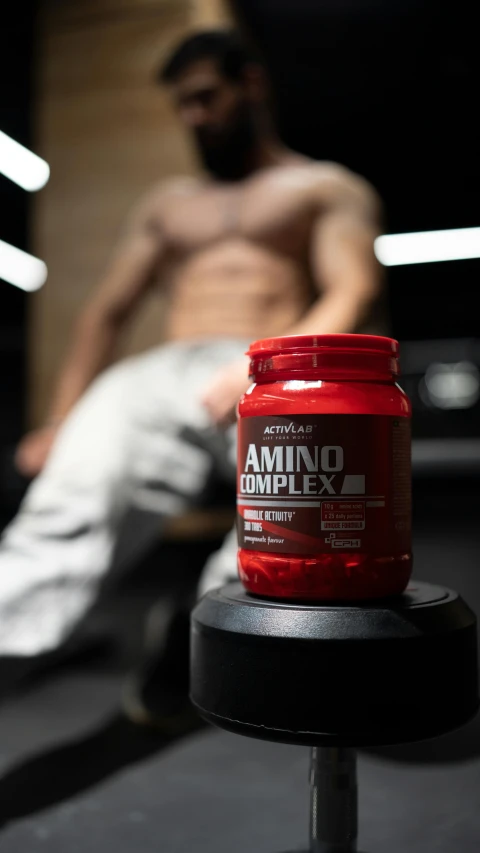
{"x":219,"y":114}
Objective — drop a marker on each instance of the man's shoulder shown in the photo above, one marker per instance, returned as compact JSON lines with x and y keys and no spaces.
{"x":331,"y":179}
{"x":326,"y":180}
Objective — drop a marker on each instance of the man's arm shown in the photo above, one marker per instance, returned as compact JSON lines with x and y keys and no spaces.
{"x":104,"y":318}
{"x":97,"y":331}
{"x":348,"y":277}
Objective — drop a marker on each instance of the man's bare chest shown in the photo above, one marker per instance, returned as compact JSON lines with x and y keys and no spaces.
{"x":277,"y":219}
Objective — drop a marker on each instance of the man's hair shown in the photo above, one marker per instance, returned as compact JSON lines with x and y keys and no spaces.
{"x":224,"y":47}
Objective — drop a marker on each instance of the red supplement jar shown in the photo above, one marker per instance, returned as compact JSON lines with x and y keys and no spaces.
{"x":324,"y":471}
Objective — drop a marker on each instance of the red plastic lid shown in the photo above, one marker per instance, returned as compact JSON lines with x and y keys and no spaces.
{"x":367,"y":357}
{"x":299,"y":343}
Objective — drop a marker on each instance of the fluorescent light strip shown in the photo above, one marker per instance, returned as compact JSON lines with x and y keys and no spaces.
{"x":21,"y":269}
{"x":21,"y":165}
{"x":423,"y":247}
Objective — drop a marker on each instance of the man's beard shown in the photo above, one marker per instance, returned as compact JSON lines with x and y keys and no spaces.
{"x":228,"y":157}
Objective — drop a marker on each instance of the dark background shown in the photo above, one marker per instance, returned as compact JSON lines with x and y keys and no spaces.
{"x":16,"y":101}
{"x":17,"y":46}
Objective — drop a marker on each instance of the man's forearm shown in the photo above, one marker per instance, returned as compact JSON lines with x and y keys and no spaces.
{"x":94,"y":348}
{"x":335,"y":312}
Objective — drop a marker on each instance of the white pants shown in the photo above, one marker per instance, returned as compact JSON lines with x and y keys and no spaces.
{"x":138,"y":438}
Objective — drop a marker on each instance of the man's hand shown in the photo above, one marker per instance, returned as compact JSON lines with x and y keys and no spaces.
{"x":221,"y":396}
{"x":32,"y":452}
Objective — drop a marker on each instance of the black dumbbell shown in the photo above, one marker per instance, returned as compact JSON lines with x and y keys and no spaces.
{"x":335,"y":677}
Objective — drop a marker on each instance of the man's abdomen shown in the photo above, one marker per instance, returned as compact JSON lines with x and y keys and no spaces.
{"x":237,"y":289}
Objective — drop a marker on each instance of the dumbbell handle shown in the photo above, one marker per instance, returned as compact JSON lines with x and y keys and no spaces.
{"x":334,"y":800}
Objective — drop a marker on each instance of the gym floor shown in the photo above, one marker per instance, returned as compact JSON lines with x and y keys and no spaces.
{"x":76,"y":775}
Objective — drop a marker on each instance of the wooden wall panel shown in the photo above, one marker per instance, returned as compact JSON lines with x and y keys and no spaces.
{"x":108,"y":132}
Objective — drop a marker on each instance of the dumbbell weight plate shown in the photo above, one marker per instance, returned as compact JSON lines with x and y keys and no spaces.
{"x":385,"y":672}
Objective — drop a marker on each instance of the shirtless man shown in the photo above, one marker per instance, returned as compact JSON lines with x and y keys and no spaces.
{"x":265,"y":243}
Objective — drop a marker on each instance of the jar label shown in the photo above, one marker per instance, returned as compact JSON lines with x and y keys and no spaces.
{"x":324,"y":483}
